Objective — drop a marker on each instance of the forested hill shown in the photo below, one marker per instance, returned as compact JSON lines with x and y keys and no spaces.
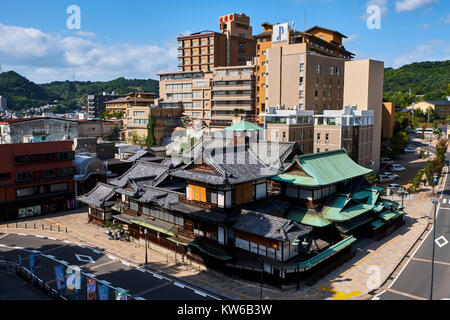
{"x":23,"y":94}
{"x":431,"y":79}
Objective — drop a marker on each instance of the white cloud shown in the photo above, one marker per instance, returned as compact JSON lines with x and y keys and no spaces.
{"x":446,"y":19}
{"x":434,"y":50}
{"x":411,"y":5}
{"x":43,"y":57}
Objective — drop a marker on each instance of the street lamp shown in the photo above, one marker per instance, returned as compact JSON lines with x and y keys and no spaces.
{"x":435,"y":202}
{"x":146,"y":245}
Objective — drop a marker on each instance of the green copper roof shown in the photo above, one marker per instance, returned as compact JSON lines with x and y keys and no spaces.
{"x":323,"y":169}
{"x":244,"y":126}
{"x":307,"y":217}
{"x":347,"y":226}
{"x":323,"y":255}
{"x":378,"y":223}
{"x":389,"y":215}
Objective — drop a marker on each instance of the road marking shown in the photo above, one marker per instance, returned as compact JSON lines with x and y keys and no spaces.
{"x":377,"y":296}
{"x":81,"y":246}
{"x":179,"y":284}
{"x":139,"y":298}
{"x":341,"y":295}
{"x":126,"y":263}
{"x":406,"y":294}
{"x":157,"y":276}
{"x":90,"y":275}
{"x":84,"y":258}
{"x":49,"y":256}
{"x":96,"y":251}
{"x":63,"y":262}
{"x":141,"y":270}
{"x":111,"y":257}
{"x":67,"y":241}
{"x":101,"y":265}
{"x":429,"y":261}
{"x":22,"y":234}
{"x":444,"y":208}
{"x":444,"y":201}
{"x":38,"y":236}
{"x":441,"y":241}
{"x":104,"y":282}
{"x":35,"y":251}
{"x":165,"y":284}
{"x":52,"y":238}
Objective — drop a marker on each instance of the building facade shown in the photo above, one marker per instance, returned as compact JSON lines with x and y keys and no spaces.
{"x":35,"y":179}
{"x":348,"y":129}
{"x":232,"y":92}
{"x":96,"y":104}
{"x":32,"y":130}
{"x":363,"y":88}
{"x":289,"y":125}
{"x":388,"y":116}
{"x":202,"y":51}
{"x":442,"y":108}
{"x":105,"y":129}
{"x":303,"y":83}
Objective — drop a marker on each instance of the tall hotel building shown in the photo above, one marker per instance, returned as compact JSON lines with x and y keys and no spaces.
{"x":300,"y":70}
{"x":199,"y":54}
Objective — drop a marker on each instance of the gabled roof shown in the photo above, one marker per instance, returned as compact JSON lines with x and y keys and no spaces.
{"x":270,"y":227}
{"x":230,"y":167}
{"x":325,"y":29}
{"x":438,"y":102}
{"x":145,"y":153}
{"x":243,"y":126}
{"x":322,"y":169}
{"x":98,"y":196}
{"x":143,"y":173}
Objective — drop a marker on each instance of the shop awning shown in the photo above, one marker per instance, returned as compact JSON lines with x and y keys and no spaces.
{"x":159,"y":226}
{"x":211,"y":252}
{"x":183,"y":241}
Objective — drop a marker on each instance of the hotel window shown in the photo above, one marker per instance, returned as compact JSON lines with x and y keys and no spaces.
{"x":327,"y":135}
{"x":197,"y":104}
{"x":338,"y":72}
{"x":331,"y":71}
{"x":318,"y":137}
{"x":58,"y":187}
{"x":301,"y":95}
{"x":196,"y":94}
{"x":318,"y":150}
{"x":5,"y":176}
{"x":302,"y":67}
{"x":24,"y":176}
{"x":316,"y":94}
{"x":318,"y":69}
{"x":302,"y":79}
{"x":324,"y":94}
{"x":24,"y":192}
{"x":139,"y":113}
{"x":66,"y":172}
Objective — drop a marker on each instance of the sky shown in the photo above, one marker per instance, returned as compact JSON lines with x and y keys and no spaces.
{"x":137,"y":38}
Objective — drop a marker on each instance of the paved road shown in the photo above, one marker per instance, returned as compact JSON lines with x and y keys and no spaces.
{"x":108,"y":270}
{"x":414,"y":281}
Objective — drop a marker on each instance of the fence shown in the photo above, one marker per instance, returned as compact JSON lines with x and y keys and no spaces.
{"x":35,"y":226}
{"x":9,"y":266}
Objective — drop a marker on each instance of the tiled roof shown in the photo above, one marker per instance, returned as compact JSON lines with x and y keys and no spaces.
{"x":270,"y":227}
{"x":143,"y":173}
{"x":99,"y":195}
{"x":232,"y":167}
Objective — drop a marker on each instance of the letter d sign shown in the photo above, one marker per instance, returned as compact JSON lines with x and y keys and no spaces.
{"x":74,"y":20}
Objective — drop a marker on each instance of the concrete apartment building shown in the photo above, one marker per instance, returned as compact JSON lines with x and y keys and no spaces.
{"x":363,"y":88}
{"x":202,"y":51}
{"x":105,"y":129}
{"x":233,"y":88}
{"x":348,"y":129}
{"x":297,"y":69}
{"x":289,"y":125}
{"x":388,"y":116}
{"x":96,"y":103}
{"x":192,"y":89}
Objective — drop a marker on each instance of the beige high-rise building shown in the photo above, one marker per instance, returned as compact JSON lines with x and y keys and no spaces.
{"x":233,"y":92}
{"x":363,"y":88}
{"x":202,"y":51}
{"x":349,"y":129}
{"x":281,"y":82}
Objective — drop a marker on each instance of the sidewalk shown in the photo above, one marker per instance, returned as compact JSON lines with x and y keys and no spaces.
{"x":352,"y":280}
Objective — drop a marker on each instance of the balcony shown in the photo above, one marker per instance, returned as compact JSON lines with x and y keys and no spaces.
{"x":233,"y":97}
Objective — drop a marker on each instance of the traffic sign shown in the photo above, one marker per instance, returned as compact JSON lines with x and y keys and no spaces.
{"x":435,"y":174}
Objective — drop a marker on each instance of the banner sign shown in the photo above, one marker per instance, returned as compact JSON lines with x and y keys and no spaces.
{"x":32,"y":263}
{"x":60,"y":279}
{"x":73,"y":280}
{"x":91,"y":289}
{"x":103,"y":292}
{"x":121,"y":295}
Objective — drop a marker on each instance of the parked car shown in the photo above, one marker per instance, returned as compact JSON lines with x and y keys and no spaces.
{"x":410,"y":150}
{"x":387,"y":176}
{"x":397,"y":168}
{"x":396,"y":187}
{"x":386,"y":161}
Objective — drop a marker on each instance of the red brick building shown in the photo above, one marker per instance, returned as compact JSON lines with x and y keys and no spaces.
{"x":35,"y":178}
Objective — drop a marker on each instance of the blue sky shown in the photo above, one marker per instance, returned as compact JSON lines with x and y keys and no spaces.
{"x":137,"y":38}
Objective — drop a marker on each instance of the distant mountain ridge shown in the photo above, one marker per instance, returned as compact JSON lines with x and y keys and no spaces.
{"x":24,"y":94}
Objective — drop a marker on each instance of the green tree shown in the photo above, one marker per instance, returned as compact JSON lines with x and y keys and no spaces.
{"x":371,"y":178}
{"x":151,"y":140}
{"x":399,"y":143}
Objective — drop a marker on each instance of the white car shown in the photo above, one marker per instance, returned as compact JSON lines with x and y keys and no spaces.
{"x":387,"y":176}
{"x":386,"y":161}
{"x":397,"y":168}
